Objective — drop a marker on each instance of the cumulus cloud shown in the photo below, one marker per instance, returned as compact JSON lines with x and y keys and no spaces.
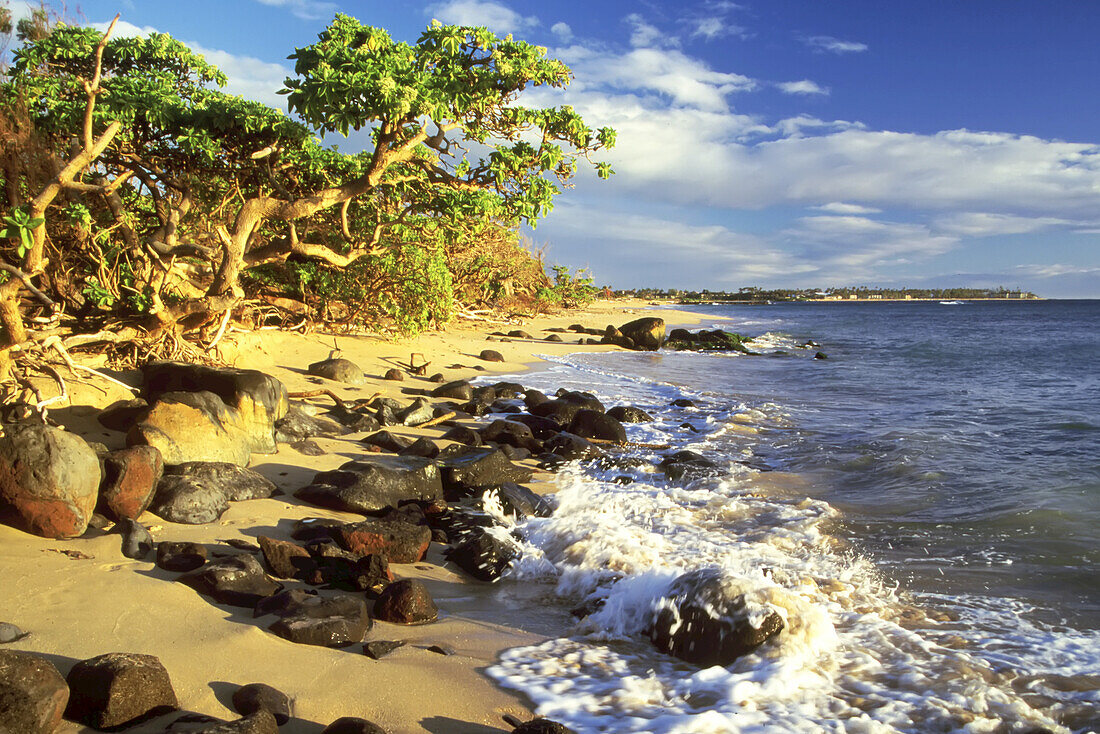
{"x":305,"y":9}
{"x":493,"y":15}
{"x":562,"y":31}
{"x":804,"y":87}
{"x":829,"y":44}
{"x":645,"y":35}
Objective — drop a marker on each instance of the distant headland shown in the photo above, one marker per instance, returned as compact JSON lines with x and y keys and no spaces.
{"x":831,"y":295}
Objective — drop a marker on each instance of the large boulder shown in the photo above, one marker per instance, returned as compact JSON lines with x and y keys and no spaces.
{"x":130,"y":478}
{"x":336,"y":621}
{"x":407,"y":601}
{"x":710,"y":618}
{"x":235,"y":482}
{"x":260,"y":399}
{"x":338,"y":370}
{"x":254,"y":697}
{"x":32,"y":694}
{"x":399,"y":542}
{"x":594,"y":424}
{"x":199,"y":492}
{"x":477,"y":469}
{"x":117,"y":690}
{"x":647,"y":333}
{"x":457,"y":390}
{"x":238,"y":581}
{"x":482,"y":554}
{"x":511,"y":433}
{"x":629,"y":414}
{"x":298,"y":425}
{"x":50,"y":477}
{"x":193,"y":426}
{"x":372,"y":485}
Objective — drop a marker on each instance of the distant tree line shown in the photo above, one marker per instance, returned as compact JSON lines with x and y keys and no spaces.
{"x":761,"y":295}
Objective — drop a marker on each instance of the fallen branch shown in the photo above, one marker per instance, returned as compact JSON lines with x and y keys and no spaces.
{"x":437,"y":421}
{"x":317,"y":393}
{"x":221,"y":329}
{"x":55,"y":343}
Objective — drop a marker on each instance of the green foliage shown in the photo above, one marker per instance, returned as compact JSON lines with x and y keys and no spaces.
{"x":20,"y":227}
{"x":569,"y":289}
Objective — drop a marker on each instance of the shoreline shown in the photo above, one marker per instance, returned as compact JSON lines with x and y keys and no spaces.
{"x":76,"y":608}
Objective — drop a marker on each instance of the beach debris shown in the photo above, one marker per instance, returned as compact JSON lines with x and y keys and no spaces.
{"x":118,"y":690}
{"x":408,"y":602}
{"x":441,"y":418}
{"x":482,"y":554}
{"x":332,"y":621}
{"x":249,"y":699}
{"x":50,"y":477}
{"x":353,"y":725}
{"x":418,"y":369}
{"x":629,"y":414}
{"x":34,"y":694}
{"x":180,"y":556}
{"x":490,"y":355}
{"x":70,"y":553}
{"x":130,"y":479}
{"x":137,"y":543}
{"x":10,"y":633}
{"x":338,"y":370}
{"x":821,"y":355}
{"x":711,"y":618}
{"x":378,"y":649}
{"x":238,"y":581}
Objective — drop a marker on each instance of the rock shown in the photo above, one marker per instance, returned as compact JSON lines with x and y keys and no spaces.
{"x":238,"y":581}
{"x":542,"y":428}
{"x":594,"y":424}
{"x":10,"y":633}
{"x":255,"y":697}
{"x":238,"y":483}
{"x":137,"y":543}
{"x":399,"y":542}
{"x":532,"y":397}
{"x":287,"y":603}
{"x":120,"y":415}
{"x":180,"y":557}
{"x":422,"y":446}
{"x":512,"y":433}
{"x":490,"y":355}
{"x":394,"y":374}
{"x":478,"y":468}
{"x":339,"y":370}
{"x":648,"y":333}
{"x":821,"y":355}
{"x":483,"y":555}
{"x":336,"y":621}
{"x":513,"y":454}
{"x":378,"y":649}
{"x":629,"y":414}
{"x":314,"y":528}
{"x":553,"y":338}
{"x":540,"y":726}
{"x":298,"y":425}
{"x":261,"y":722}
{"x":387,"y":441}
{"x":420,"y":411}
{"x":372,"y":485}
{"x":687,"y":464}
{"x":259,"y":399}
{"x":437,"y":377}
{"x":570,"y":446}
{"x":353,"y":725}
{"x":457,"y":390}
{"x":50,"y":477}
{"x":198,"y":492}
{"x":340,"y":569}
{"x":286,"y":560}
{"x":682,"y":403}
{"x":709,"y":618}
{"x":193,"y":426}
{"x":118,"y":690}
{"x":522,"y":502}
{"x":32,"y":694}
{"x":357,"y":422}
{"x":583,"y":399}
{"x":560,"y":411}
{"x":308,"y":447}
{"x":406,"y":602}
{"x":463,"y":435}
{"x":130,"y":478}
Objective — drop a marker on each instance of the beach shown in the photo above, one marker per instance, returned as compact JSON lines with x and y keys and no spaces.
{"x":81,"y":598}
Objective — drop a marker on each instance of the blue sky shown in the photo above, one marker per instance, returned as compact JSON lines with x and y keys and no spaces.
{"x":776,"y":142}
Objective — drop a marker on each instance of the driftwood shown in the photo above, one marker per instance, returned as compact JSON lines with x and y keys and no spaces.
{"x":438,"y":420}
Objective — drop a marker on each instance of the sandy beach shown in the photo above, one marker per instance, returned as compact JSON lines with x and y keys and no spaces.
{"x":80,"y":598}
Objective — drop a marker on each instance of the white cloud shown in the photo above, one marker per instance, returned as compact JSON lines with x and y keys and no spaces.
{"x":834,"y":45}
{"x":838,"y":207}
{"x":305,"y":9}
{"x":646,"y":35}
{"x":1055,"y":270}
{"x":713,"y":27}
{"x":854,"y":244}
{"x":804,"y":87}
{"x":984,"y":224}
{"x":494,"y":16}
{"x":562,"y":31}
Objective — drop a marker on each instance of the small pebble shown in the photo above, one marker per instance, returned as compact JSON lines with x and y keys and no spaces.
{"x":378,"y":649}
{"x":10,"y":633}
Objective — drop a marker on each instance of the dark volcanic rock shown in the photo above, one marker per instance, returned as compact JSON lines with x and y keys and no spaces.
{"x":32,"y":694}
{"x":647,"y":333}
{"x":683,"y":403}
{"x":238,"y":484}
{"x":137,"y":543}
{"x":130,"y":478}
{"x":629,"y":414}
{"x":706,"y":620}
{"x":687,"y":464}
{"x":387,"y":441}
{"x":482,"y":555}
{"x":353,"y":725}
{"x":378,"y":649}
{"x":372,"y":485}
{"x":286,"y":560}
{"x":394,"y":374}
{"x":478,"y":468}
{"x":463,"y":435}
{"x":308,"y":447}
{"x":298,"y":425}
{"x":314,"y":528}
{"x":255,"y":697}
{"x":541,"y":428}
{"x":422,"y":446}
{"x":457,"y":390}
{"x":324,"y":621}
{"x":118,"y":690}
{"x":571,"y":446}
{"x":512,"y":433}
{"x":399,"y":542}
{"x":50,"y":477}
{"x":406,"y":602}
{"x":179,"y":557}
{"x":542,"y":726}
{"x":522,"y":502}
{"x":594,"y":424}
{"x":238,"y":581}
{"x":261,"y":722}
{"x":338,"y":370}
{"x":420,"y":411}
{"x":187,"y":500}
{"x":583,"y":399}
{"x":339,"y":569}
{"x":490,"y":355}
{"x":560,"y":411}
{"x":120,"y":415}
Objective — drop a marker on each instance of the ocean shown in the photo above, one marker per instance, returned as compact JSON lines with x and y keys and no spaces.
{"x":922,"y":508}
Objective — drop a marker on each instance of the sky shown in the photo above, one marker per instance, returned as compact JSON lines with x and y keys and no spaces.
{"x":773,"y":143}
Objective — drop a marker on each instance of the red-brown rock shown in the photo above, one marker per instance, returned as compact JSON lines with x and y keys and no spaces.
{"x":399,"y":542}
{"x":130,"y":479}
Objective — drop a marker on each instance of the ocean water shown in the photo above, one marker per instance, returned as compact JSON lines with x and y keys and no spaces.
{"x":922,"y":508}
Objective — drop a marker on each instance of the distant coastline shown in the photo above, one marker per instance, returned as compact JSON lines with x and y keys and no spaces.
{"x":746,"y":302}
